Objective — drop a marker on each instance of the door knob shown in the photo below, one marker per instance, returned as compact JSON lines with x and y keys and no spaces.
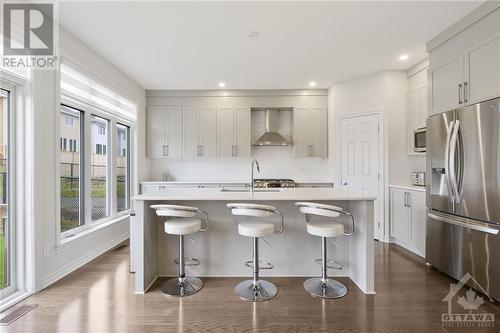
{"x":344,"y":183}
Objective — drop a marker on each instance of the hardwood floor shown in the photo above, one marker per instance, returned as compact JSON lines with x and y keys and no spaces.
{"x":98,"y":298}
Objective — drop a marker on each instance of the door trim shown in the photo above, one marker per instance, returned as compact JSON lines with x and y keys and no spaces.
{"x":382,"y":233}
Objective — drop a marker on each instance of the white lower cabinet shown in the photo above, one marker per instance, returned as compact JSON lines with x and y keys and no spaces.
{"x":407,"y":218}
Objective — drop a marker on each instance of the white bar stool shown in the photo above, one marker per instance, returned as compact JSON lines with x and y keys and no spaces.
{"x":256,"y":290}
{"x":181,"y":221}
{"x":325,"y":287}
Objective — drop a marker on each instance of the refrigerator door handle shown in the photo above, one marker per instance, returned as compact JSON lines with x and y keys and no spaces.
{"x":447,"y":161}
{"x":464,"y":222}
{"x":452,"y":161}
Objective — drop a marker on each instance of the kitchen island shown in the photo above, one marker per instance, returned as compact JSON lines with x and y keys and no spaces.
{"x":222,"y":251}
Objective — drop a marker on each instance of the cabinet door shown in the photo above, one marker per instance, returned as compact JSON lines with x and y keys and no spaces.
{"x":156,"y":131}
{"x":445,"y":85}
{"x":414,"y":110}
{"x":225,"y":132}
{"x":319,"y":133}
{"x":399,"y":213}
{"x":423,"y":106}
{"x":208,"y":131}
{"x":191,"y":131}
{"x":242,"y":133}
{"x":173,"y":146}
{"x":301,"y":132}
{"x":483,"y":69}
{"x":418,"y":222}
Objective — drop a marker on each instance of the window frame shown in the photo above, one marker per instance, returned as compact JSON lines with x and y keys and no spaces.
{"x":88,"y":111}
{"x":82,"y":189}
{"x":13,"y":266}
{"x":128,"y":173}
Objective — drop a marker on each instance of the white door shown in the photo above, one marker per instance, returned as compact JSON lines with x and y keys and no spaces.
{"x":156,"y":131}
{"x":446,"y":85}
{"x":318,"y":132}
{"x":191,"y":131}
{"x":301,"y":132}
{"x":483,"y":70}
{"x":208,"y":131}
{"x":360,"y":154}
{"x":225,"y":132}
{"x":173,"y":131}
{"x":242,"y":133}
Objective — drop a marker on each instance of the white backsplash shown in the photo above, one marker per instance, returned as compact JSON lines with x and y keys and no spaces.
{"x":275,"y":162}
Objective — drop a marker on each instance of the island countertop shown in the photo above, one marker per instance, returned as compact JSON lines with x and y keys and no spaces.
{"x":283,"y":194}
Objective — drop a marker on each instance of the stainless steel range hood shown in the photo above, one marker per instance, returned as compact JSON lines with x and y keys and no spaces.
{"x":271,"y":137}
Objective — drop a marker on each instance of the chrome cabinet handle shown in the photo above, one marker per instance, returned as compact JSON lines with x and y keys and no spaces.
{"x":201,"y":150}
{"x":163,"y":150}
{"x":460,"y":93}
{"x":166,"y":150}
{"x":234,"y":150}
{"x":465,"y":92}
{"x":404,"y":200}
{"x":310,"y":150}
{"x":197,"y":150}
{"x":408,"y":199}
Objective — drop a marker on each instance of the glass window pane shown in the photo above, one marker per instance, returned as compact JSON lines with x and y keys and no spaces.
{"x":99,"y":168}
{"x":4,"y":195}
{"x":122,"y":168}
{"x":71,"y":198}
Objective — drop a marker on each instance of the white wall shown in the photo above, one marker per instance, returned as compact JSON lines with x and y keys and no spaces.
{"x":384,"y":92}
{"x":53,"y":261}
{"x":275,"y":162}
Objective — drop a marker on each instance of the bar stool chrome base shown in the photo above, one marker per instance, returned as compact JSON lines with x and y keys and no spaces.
{"x":329,"y":289}
{"x":178,"y":287}
{"x":260,"y":292}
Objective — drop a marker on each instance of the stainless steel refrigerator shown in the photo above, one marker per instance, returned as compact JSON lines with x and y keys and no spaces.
{"x":463,"y":194}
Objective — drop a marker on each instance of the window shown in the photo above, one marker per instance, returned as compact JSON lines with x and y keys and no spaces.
{"x":5,"y":223}
{"x":101,"y":129}
{"x":99,"y":163}
{"x":69,"y":120}
{"x":71,"y":198}
{"x":122,"y":168}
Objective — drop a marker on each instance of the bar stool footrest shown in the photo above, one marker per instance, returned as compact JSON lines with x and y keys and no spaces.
{"x":262,"y":264}
{"x":189,"y":261}
{"x":331,"y":264}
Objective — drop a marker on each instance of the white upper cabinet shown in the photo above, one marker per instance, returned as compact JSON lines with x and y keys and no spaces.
{"x":156,"y":131}
{"x":208,"y":132}
{"x":233,"y":132}
{"x":310,"y":135}
{"x":465,"y":66}
{"x":483,"y":69}
{"x":164,"y":126}
{"x":446,"y":80}
{"x":200,"y":131}
{"x":417,"y":102}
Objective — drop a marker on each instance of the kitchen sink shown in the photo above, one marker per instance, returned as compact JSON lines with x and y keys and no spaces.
{"x":241,"y":190}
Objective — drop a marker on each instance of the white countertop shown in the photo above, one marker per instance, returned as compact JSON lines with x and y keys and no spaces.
{"x":292,"y":194}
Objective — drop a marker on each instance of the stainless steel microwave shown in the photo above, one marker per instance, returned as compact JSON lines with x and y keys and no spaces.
{"x":419,"y":140}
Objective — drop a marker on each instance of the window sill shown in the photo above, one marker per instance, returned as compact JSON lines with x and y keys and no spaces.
{"x":84,"y":235}
{"x":13,"y":299}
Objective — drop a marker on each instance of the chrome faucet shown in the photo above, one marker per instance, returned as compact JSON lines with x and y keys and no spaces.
{"x":252,"y":184}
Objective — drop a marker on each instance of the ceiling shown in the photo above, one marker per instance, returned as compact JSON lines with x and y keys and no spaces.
{"x":196,"y":45}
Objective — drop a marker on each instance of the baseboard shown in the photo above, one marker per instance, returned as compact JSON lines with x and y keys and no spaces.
{"x":79,"y":262}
